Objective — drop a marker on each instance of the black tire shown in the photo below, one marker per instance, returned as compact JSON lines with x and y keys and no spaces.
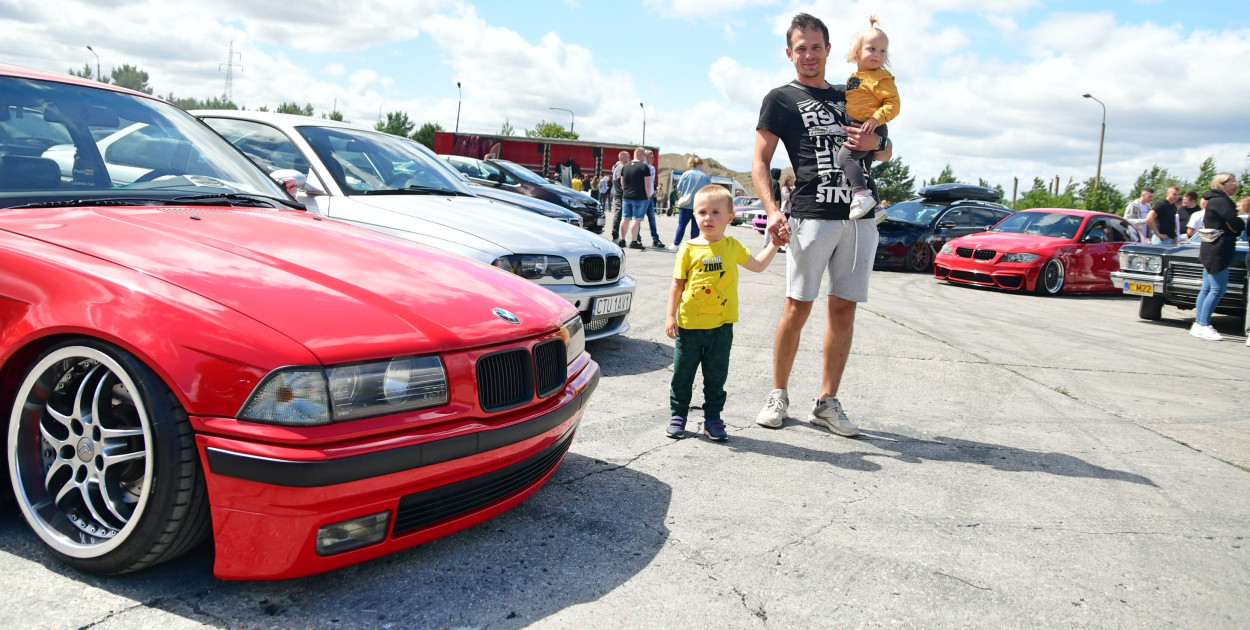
{"x":103,"y":461}
{"x":919,"y":257}
{"x":1150,"y":308}
{"x":1050,"y":279}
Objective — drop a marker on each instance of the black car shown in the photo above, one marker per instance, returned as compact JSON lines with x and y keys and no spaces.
{"x":1172,"y":274}
{"x":918,"y":228}
{"x":513,"y":177}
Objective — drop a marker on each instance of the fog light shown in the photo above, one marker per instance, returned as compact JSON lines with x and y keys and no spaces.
{"x":353,"y":534}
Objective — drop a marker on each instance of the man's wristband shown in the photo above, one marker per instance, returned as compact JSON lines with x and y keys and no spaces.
{"x":884,"y":143}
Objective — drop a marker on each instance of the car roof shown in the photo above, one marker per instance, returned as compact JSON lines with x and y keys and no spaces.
{"x":23,"y":72}
{"x":289,"y":121}
{"x":1073,"y":211}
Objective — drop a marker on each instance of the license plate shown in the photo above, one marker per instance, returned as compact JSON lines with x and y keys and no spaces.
{"x":598,"y":220}
{"x":1139,"y":288}
{"x":611,"y":305}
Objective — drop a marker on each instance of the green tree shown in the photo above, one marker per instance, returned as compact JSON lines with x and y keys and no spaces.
{"x":215,"y":102}
{"x":1206,"y":173}
{"x":425,"y":135}
{"x":1101,"y":198}
{"x":1156,"y":178}
{"x":397,"y":123}
{"x":334,"y":115}
{"x":947,"y":176}
{"x":506,"y":129}
{"x":86,"y":73}
{"x":292,"y":108}
{"x":131,"y":77}
{"x":546,"y":129}
{"x":894,"y":180}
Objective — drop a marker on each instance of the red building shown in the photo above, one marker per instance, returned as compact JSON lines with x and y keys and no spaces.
{"x":541,"y":155}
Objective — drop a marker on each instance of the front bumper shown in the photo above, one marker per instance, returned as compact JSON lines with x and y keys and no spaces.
{"x":583,"y":298}
{"x":1123,"y":279}
{"x":1011,"y":276}
{"x":269,"y":502}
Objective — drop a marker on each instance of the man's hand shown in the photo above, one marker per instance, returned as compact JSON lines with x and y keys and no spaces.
{"x":779,"y":228}
{"x":859,"y":140}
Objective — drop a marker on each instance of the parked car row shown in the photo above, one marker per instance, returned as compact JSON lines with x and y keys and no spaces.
{"x":511,"y":177}
{"x":187,"y":352}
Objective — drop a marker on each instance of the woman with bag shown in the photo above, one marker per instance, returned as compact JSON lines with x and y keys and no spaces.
{"x":1221,"y":227}
{"x":691,"y":181}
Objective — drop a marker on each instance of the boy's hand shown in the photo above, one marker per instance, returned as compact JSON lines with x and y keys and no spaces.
{"x":670,"y":327}
{"x":869,"y":126}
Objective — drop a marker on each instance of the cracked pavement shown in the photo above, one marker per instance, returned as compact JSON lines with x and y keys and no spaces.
{"x":1024,"y":461}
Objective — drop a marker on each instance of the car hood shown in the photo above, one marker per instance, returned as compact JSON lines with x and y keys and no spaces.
{"x":531,"y":204}
{"x":346,"y":294}
{"x":478,"y":228}
{"x":1008,"y":241}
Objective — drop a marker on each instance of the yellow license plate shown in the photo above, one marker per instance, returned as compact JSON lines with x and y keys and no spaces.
{"x":1139,"y":288}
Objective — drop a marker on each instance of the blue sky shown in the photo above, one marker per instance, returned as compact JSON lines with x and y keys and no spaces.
{"x":992,"y":87}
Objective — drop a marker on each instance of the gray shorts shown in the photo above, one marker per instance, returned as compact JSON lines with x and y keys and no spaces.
{"x":845,"y":248}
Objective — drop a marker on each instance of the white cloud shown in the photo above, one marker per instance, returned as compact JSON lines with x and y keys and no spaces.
{"x":702,"y":9}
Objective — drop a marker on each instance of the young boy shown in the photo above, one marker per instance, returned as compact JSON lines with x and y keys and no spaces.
{"x":702,"y":307}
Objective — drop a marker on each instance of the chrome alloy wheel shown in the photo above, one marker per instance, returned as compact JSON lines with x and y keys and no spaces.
{"x":79,"y":442}
{"x":1050,"y":280}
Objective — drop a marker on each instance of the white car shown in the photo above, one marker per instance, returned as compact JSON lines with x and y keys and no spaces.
{"x":398,"y":186}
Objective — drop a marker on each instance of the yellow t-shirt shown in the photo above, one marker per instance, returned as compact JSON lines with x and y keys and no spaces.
{"x":872,"y":94}
{"x":576,"y":183}
{"x":711,"y":274}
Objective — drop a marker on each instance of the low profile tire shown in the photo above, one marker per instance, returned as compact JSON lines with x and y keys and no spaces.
{"x":1050,"y":280}
{"x":103,"y":460}
{"x":1150,"y":308}
{"x":919,"y":257}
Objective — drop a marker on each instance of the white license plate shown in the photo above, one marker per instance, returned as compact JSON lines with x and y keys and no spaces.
{"x":611,"y":305}
{"x":598,"y":220}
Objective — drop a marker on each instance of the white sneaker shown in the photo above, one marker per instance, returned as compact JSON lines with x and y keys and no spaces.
{"x":671,"y":248}
{"x":773,"y":415}
{"x":1205,"y":333}
{"x":881,"y":215}
{"x":829,"y":414}
{"x":861,"y":205}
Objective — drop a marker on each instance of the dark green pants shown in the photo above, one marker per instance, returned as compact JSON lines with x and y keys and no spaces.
{"x":709,"y":349}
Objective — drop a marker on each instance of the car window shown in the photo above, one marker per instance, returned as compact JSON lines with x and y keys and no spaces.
{"x":468,"y":168}
{"x":491,"y":169}
{"x":984,"y":217}
{"x":520,"y":172}
{"x":914,"y":211}
{"x":367,"y":161}
{"x":1052,"y":224}
{"x":269,"y":148}
{"x":58,"y":138}
{"x":961,"y":217}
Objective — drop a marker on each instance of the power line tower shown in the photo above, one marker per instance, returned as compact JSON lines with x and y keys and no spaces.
{"x":229,"y":67}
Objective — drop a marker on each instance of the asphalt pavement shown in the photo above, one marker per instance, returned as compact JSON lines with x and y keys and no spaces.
{"x":1024,"y":462}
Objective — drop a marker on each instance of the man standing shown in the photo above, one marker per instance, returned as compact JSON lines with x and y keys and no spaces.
{"x":1189,"y":204}
{"x":809,"y":117}
{"x":655,"y":235}
{"x":636,"y":190}
{"x":1136,"y":211}
{"x":622,"y":159}
{"x":1162,"y":218}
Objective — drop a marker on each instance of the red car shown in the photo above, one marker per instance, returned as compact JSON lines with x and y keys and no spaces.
{"x":185,"y":353}
{"x":1047,"y":250}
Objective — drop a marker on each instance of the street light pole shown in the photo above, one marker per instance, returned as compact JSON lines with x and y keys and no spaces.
{"x":570,"y":116}
{"x":459,"y":99}
{"x":644,"y":124}
{"x":97,"y":63}
{"x":1101,"y":136}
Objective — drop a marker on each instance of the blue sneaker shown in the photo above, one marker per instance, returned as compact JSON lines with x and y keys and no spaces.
{"x":676,"y":427}
{"x":715,"y":429}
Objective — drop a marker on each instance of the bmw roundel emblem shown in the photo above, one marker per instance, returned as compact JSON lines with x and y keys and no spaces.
{"x":506,"y":315}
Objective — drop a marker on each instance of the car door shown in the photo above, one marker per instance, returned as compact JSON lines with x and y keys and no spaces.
{"x":1093,"y":247}
{"x":958,"y":221}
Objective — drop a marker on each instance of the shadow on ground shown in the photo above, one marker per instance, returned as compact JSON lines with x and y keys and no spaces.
{"x":623,"y":356}
{"x":591,"y":528}
{"x":940,"y":449}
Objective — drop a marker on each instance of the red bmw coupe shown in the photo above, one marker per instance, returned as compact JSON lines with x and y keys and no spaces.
{"x":1047,"y":250}
{"x":185,"y":353}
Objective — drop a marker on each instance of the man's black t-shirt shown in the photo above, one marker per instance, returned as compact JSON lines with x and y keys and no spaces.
{"x":1165,"y":218}
{"x":1183,"y":214}
{"x":633,"y":180}
{"x":812,"y":134}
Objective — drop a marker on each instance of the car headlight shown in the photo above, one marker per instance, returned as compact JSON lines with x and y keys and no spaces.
{"x":1019,"y":258}
{"x":1130,"y":261}
{"x":535,"y":266}
{"x":574,"y":336}
{"x":572,"y":202}
{"x":946,"y":249}
{"x":310,"y":396}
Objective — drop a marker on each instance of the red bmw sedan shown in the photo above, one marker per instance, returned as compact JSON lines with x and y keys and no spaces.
{"x":1046,"y":250}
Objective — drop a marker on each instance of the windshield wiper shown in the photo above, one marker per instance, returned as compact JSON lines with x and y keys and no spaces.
{"x":417,"y":190}
{"x":78,"y":203}
{"x":231,"y":199}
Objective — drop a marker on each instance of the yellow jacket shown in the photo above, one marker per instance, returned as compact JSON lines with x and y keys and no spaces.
{"x":872,"y":94}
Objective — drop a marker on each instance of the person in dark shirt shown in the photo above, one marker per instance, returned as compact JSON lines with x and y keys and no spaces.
{"x":1189,"y":205}
{"x":1162,"y":218}
{"x":636,"y":187}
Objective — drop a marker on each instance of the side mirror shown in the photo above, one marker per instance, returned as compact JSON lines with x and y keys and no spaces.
{"x":495,"y":177}
{"x":290,"y":179}
{"x":1096,"y":236}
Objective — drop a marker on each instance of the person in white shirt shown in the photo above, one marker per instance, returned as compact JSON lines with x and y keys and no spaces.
{"x":1136,"y":211}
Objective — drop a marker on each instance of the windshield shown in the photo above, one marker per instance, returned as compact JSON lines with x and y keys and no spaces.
{"x":521,"y":172}
{"x":61,"y":142}
{"x":747,"y":201}
{"x":371,"y":162}
{"x":914,"y":211}
{"x":1052,"y":224}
